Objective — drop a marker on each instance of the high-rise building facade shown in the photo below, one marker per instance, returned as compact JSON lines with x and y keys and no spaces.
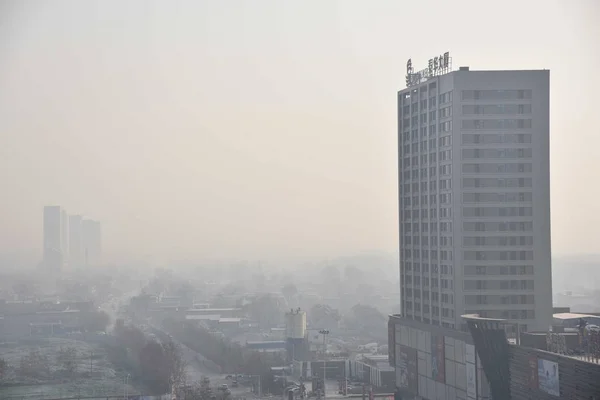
{"x":64,"y":235}
{"x":53,"y":239}
{"x":91,"y":242}
{"x":474,"y":197}
{"x":76,"y":259}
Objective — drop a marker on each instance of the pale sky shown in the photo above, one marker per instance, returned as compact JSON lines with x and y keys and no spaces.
{"x":262,"y":128}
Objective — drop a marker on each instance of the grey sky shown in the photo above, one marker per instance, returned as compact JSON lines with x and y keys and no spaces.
{"x":261,"y":128}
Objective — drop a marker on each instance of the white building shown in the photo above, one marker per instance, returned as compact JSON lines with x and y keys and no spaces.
{"x":53,"y":238}
{"x":474,"y":193}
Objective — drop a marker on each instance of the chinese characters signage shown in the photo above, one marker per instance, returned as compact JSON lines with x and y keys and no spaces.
{"x":437,"y":66}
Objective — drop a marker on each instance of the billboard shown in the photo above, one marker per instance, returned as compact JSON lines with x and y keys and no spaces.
{"x":438,"y":359}
{"x":548,"y":380}
{"x":406,"y":371}
{"x":533,"y":371}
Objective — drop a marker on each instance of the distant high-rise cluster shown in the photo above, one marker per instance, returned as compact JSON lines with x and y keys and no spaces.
{"x":70,"y":240}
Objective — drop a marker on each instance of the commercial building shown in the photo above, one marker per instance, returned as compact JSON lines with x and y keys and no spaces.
{"x":75,"y":241}
{"x":434,"y":362}
{"x":64,"y":235}
{"x":518,"y":372}
{"x":474,"y":198}
{"x":91,"y":241}
{"x":53,"y":257}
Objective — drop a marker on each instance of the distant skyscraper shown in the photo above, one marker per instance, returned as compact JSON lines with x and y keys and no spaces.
{"x":474,"y":196}
{"x":76,"y":259}
{"x":92,"y":241}
{"x":53,"y":234}
{"x":64,"y":236}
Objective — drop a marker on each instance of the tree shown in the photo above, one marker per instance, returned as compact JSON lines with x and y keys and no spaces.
{"x":174,"y":362}
{"x":323,"y":316}
{"x":154,"y":370}
{"x":290,"y":290}
{"x":130,"y":338}
{"x":267,"y":310}
{"x":34,"y":365}
{"x":353,"y":274}
{"x":95,"y":321}
{"x":366,"y":319}
{"x":67,"y":358}
{"x":199,"y":391}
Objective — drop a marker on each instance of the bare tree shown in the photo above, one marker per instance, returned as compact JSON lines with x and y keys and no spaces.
{"x":67,"y":358}
{"x":34,"y":365}
{"x":175,"y":362}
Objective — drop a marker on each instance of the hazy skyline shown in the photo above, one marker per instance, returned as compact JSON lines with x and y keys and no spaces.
{"x":260,"y":129}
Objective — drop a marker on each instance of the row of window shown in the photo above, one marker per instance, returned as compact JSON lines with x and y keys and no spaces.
{"x":497,"y":241}
{"x":496,"y":94}
{"x":435,"y":282}
{"x":444,"y":255}
{"x":413,"y":95}
{"x":445,"y":198}
{"x":408,"y":161}
{"x":445,"y":227}
{"x":445,"y":212}
{"x":472,"y":299}
{"x":446,"y":298}
{"x":498,"y":255}
{"x":496,"y":123}
{"x":424,"y":145}
{"x":446,"y":112}
{"x":469,"y":212}
{"x":497,"y":153}
{"x":417,"y":174}
{"x":413,"y":121}
{"x":511,"y":284}
{"x":494,"y":226}
{"x":414,"y":134}
{"x":446,"y":312}
{"x":468,"y":241}
{"x":513,"y":197}
{"x":497,"y":183}
{"x":496,"y":109}
{"x":443,"y":269}
{"x":470,"y":270}
{"x":445,"y":184}
{"x":495,"y":138}
{"x":425,"y":240}
{"x":496,"y":168}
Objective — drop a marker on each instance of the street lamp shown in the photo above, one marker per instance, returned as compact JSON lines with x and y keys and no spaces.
{"x":324,"y":332}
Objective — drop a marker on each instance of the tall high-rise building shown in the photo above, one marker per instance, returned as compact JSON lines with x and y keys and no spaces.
{"x":64,"y":235}
{"x":76,"y":259}
{"x":53,"y":238}
{"x":91,"y":242}
{"x":474,"y":195}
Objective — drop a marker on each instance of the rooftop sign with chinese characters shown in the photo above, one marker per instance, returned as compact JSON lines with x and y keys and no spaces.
{"x":437,"y":66}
